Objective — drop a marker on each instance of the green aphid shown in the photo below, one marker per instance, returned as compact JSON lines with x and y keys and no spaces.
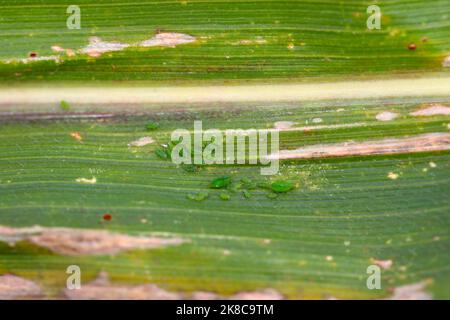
{"x":152,"y":126}
{"x":198,"y":197}
{"x":224,"y":196}
{"x":64,"y":105}
{"x":162,"y":153}
{"x":246,"y":194}
{"x":171,"y":145}
{"x":264,"y":185}
{"x":189,"y":167}
{"x":220,"y":183}
{"x":235,"y":187}
{"x":281,"y":186}
{"x":272,"y":195}
{"x":249,"y":184}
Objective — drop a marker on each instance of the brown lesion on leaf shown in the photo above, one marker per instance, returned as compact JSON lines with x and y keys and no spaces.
{"x":74,"y":242}
{"x":97,"y":47}
{"x":264,"y":294}
{"x":57,"y":116}
{"x":285,"y":126}
{"x":13,"y":287}
{"x":259,"y":40}
{"x":102,"y":289}
{"x":33,"y":57}
{"x":420,"y":143}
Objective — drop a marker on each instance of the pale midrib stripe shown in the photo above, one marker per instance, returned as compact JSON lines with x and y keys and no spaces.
{"x":373,"y":89}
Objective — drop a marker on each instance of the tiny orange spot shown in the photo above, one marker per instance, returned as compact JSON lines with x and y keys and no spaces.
{"x":107,"y":217}
{"x":412,"y":46}
{"x":76,"y":135}
{"x":70,"y":53}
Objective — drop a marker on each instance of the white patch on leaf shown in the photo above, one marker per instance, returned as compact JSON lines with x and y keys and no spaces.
{"x":266,"y":294}
{"x":168,"y":39}
{"x":283,"y":125}
{"x":384,"y":264}
{"x":414,"y":291}
{"x":141,"y":142}
{"x":74,"y":242}
{"x":446,"y":62}
{"x":13,"y":287}
{"x":386,"y":116}
{"x":420,"y":143}
{"x":97,"y":47}
{"x":433,"y":110}
{"x":93,"y":180}
{"x":34,"y":59}
{"x":102,"y":289}
{"x":57,"y":49}
{"x":393,"y":175}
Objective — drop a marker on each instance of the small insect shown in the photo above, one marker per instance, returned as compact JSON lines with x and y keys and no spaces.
{"x":264,"y":185}
{"x":412,"y":46}
{"x":236,"y":187}
{"x":246,"y":194}
{"x":32,"y":55}
{"x":281,"y":186}
{"x":198,"y":197}
{"x":152,"y":126}
{"x":162,"y":153}
{"x":190,"y":167}
{"x":107,"y":217}
{"x":248,"y":184}
{"x":225,"y":196}
{"x":220,"y":183}
{"x":272,"y":195}
{"x":64,"y":105}
{"x":76,"y":135}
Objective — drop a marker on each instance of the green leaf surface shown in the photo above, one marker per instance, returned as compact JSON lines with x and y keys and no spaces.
{"x":236,"y":40}
{"x":69,"y":156}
